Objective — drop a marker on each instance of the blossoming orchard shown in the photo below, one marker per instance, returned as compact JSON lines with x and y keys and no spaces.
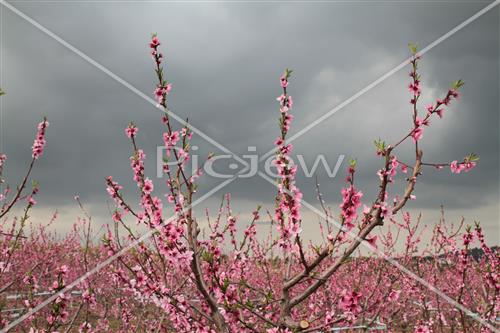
{"x":229,"y":277}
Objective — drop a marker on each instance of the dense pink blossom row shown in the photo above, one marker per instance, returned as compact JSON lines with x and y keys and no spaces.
{"x":364,"y":289}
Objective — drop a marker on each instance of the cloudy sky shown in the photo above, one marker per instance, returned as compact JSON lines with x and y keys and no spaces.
{"x":224,"y":60}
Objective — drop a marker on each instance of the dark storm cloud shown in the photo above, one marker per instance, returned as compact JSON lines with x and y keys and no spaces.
{"x":224,"y":60}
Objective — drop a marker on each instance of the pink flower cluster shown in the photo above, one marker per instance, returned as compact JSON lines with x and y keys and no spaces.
{"x":349,"y":303}
{"x":39,"y":143}
{"x":163,"y":88}
{"x":59,"y":310}
{"x":414,"y":86}
{"x":171,"y":139}
{"x":466,"y":166}
{"x":157,"y":56}
{"x":390,"y":172}
{"x":113,"y":189}
{"x":286,"y":102}
{"x":351,"y":200}
{"x":161,"y":92}
{"x":451,"y":94}
{"x":436,"y":108}
{"x":3,"y":158}
{"x":416,"y":91}
{"x":131,"y":130}
{"x":418,"y":132}
{"x":289,"y":196}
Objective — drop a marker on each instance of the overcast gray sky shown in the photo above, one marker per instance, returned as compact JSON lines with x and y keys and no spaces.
{"x":224,"y":60}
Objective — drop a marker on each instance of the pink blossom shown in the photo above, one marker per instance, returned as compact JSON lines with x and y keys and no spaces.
{"x":55,"y":285}
{"x":349,"y":302}
{"x":39,"y":143}
{"x":148,"y":186}
{"x":455,"y":167}
{"x":414,"y":88}
{"x":155,"y":42}
{"x":404,"y":168}
{"x":31,"y":200}
{"x":284,"y":81}
{"x":351,"y":201}
{"x":63,"y":269}
{"x":469,"y":165}
{"x":286,"y":102}
{"x":131,"y":131}
{"x":417,"y":134}
{"x":394,"y":295}
{"x":116,"y":216}
{"x":161,"y":92}
{"x":171,"y":139}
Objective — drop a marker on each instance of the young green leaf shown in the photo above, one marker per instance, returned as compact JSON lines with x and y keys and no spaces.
{"x":413,"y":48}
